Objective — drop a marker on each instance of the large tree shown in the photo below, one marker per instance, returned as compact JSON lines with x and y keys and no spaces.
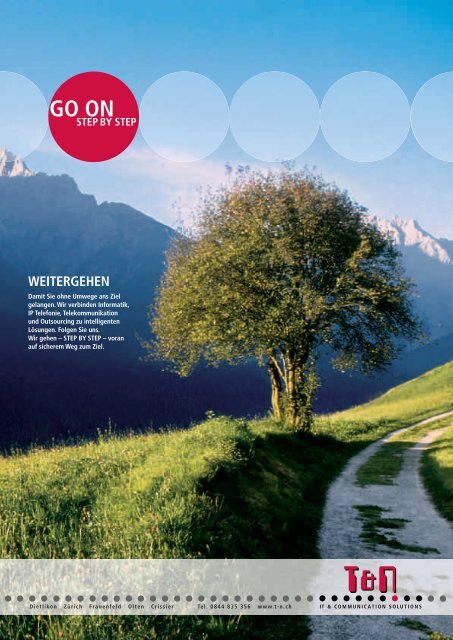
{"x":279,"y":266}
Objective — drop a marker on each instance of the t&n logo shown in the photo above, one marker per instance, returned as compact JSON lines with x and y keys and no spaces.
{"x":368,"y":579}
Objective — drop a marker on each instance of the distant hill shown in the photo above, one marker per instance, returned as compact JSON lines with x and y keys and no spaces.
{"x":47,"y":226}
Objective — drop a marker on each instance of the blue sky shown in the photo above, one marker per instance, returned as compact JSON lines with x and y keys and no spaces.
{"x":229,"y":42}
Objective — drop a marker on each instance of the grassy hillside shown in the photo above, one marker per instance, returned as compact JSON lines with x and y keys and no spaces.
{"x":430,"y":393}
{"x":225,"y":488}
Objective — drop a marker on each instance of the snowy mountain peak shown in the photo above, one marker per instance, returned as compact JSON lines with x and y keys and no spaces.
{"x":11,"y":166}
{"x":408,"y":233}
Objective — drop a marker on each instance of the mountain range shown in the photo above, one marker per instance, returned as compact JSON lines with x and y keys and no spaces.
{"x":47,"y":226}
{"x":429,"y":262}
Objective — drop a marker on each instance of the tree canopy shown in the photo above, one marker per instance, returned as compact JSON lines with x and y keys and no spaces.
{"x":280,"y":265}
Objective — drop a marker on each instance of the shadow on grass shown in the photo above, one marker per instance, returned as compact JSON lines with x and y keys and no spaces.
{"x":437,"y":474}
{"x":271,"y":507}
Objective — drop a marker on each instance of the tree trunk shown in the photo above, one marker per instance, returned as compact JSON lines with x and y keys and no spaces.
{"x":300,"y":388}
{"x":292,"y":398}
{"x":293,"y":383}
{"x":276,"y":390}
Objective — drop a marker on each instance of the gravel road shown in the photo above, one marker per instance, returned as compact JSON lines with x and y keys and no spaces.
{"x":425,"y":528}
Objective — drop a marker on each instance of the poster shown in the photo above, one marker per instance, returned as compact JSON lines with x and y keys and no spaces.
{"x":226,"y":320}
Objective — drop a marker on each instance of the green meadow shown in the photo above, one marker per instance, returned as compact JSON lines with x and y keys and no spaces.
{"x":223,"y":488}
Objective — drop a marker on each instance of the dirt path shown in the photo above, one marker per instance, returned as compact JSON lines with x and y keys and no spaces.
{"x":425,"y":535}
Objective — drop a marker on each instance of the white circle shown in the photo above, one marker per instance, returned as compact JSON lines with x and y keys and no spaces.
{"x":184,"y":116}
{"x":432,"y":116}
{"x":365,"y":116}
{"x":23,"y":114}
{"x":274,"y":116}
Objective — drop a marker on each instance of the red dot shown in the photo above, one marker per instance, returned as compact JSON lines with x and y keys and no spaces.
{"x":394,"y":598}
{"x":93,"y":116}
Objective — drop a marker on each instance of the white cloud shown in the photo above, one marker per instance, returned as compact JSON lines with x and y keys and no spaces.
{"x":174,"y":187}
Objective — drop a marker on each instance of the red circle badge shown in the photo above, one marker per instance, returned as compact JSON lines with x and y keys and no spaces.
{"x":93,"y":116}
